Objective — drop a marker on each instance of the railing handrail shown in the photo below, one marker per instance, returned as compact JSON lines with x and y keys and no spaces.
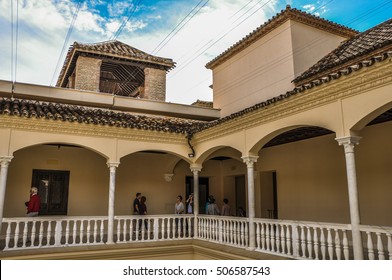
{"x":54,"y":218}
{"x":217,"y":217}
{"x":305,"y":223}
{"x":376,"y":229}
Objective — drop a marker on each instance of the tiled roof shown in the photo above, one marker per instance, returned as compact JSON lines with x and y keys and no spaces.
{"x":113,"y":48}
{"x":374,"y":40}
{"x":367,"y":62}
{"x":88,"y":115}
{"x":287,"y":14}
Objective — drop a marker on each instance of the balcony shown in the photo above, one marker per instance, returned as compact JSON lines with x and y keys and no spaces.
{"x":176,"y":236}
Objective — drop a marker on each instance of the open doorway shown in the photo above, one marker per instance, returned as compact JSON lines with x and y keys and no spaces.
{"x":203,"y":191}
{"x":268,"y":195}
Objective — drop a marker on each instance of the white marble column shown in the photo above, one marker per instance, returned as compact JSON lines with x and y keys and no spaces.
{"x":195,"y":168}
{"x":348,"y":143}
{"x":4,"y":163}
{"x":250,"y":160}
{"x":112,"y":188}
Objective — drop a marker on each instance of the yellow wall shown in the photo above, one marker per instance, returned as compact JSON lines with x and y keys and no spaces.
{"x":311,"y":178}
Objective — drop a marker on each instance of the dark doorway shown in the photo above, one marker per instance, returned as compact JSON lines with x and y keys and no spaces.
{"x":53,"y":190}
{"x":203,"y":191}
{"x":269,"y":195}
{"x":240,"y":195}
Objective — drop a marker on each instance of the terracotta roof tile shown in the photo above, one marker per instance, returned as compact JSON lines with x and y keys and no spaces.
{"x":112,"y":48}
{"x":372,"y":41}
{"x":80,"y":114}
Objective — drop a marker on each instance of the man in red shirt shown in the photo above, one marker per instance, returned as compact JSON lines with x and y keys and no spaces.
{"x":34,"y":203}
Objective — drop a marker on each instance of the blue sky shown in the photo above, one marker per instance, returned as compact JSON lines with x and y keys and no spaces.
{"x":191,"y":32}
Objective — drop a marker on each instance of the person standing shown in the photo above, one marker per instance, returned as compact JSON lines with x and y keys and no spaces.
{"x":225,"y":208}
{"x":189,"y":204}
{"x":212,"y":208}
{"x":178,"y":210}
{"x":34,"y":204}
{"x":136,"y":204}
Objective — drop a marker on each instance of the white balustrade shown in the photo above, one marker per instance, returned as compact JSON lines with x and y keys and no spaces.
{"x":292,"y":239}
{"x":302,"y":240}
{"x":231,"y":231}
{"x":378,"y":242}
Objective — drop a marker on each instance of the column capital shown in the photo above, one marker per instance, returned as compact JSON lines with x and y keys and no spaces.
{"x":112,"y":164}
{"x":5,"y":160}
{"x":195,"y":168}
{"x":348,"y":142}
{"x":250,"y":160}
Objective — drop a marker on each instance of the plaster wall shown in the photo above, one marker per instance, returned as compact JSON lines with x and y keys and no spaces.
{"x":259,"y":72}
{"x":310,"y":45}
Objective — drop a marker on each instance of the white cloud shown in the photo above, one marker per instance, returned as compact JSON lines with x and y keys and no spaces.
{"x":38,"y":55}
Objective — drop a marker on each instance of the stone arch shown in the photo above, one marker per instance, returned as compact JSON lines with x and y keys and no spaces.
{"x":364,"y":120}
{"x":268,"y":135}
{"x":92,"y":146}
{"x":172,"y":151}
{"x":209,"y":152}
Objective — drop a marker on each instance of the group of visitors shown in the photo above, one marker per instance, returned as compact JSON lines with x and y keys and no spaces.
{"x":139,"y":205}
{"x":213,"y":209}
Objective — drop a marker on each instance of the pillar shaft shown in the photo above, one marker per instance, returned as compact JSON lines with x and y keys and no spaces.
{"x":4,"y":163}
{"x":112,"y":188}
{"x":195,"y":170}
{"x":348,"y":143}
{"x":250,"y":160}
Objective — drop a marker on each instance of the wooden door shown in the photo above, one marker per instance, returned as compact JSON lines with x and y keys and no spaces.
{"x":53,"y":190}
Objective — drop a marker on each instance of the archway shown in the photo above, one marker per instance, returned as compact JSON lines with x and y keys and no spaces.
{"x":72,"y":180}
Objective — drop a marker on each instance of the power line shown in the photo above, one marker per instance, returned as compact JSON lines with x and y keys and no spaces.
{"x":159,"y":45}
{"x":125,"y":21}
{"x":216,"y":41}
{"x":283,"y":58}
{"x":70,"y":28}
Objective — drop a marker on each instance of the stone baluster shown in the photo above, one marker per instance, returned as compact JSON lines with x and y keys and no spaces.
{"x":41,"y":234}
{"x":7,"y":236}
{"x":263,"y":246}
{"x":33,"y":229}
{"x":316,"y":243}
{"x":338,"y":248}
{"x":309,"y":242}
{"x":58,"y":233}
{"x":25,"y":229}
{"x":330,"y":244}
{"x":288,"y":240}
{"x":283,"y":239}
{"x":380,"y":247}
{"x":323,"y":246}
{"x":95,"y":231}
{"x":346,"y":251}
{"x":370,"y":246}
{"x":75,"y":233}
